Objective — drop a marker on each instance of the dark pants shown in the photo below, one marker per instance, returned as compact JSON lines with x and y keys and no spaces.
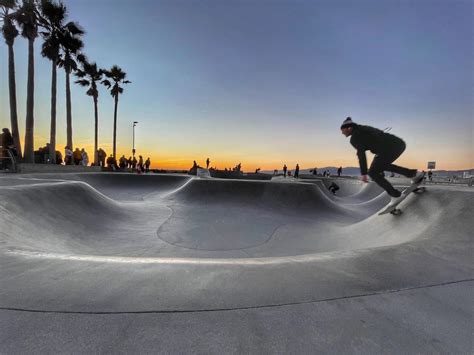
{"x":383,"y":162}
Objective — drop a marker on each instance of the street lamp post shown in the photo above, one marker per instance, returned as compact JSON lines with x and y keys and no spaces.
{"x":133,"y":147}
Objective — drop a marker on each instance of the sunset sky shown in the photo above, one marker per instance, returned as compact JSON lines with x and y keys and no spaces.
{"x":266,"y":82}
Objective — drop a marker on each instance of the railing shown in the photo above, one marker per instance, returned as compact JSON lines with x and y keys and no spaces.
{"x":7,"y":160}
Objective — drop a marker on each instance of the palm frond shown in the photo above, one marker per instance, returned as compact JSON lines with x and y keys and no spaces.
{"x":8,"y":4}
{"x":106,"y":83}
{"x":50,"y":48}
{"x":92,"y":92}
{"x":27,"y":19}
{"x":81,"y":57}
{"x":52,"y":14}
{"x":75,"y":29}
{"x":83,"y":82}
{"x":9,"y":31}
{"x":80,"y":73}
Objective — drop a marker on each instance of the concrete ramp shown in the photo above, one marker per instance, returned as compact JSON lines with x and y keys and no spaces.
{"x":187,"y":244}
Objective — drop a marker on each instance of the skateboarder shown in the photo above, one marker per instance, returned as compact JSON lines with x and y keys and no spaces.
{"x":333,"y":188}
{"x":386,"y":147}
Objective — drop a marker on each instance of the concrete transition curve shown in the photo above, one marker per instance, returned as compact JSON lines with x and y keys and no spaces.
{"x":122,"y":243}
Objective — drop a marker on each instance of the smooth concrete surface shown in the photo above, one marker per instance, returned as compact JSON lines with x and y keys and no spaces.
{"x":25,"y":168}
{"x":104,"y":262}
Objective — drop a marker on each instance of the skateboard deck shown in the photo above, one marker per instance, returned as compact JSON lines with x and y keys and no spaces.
{"x":393,"y":208}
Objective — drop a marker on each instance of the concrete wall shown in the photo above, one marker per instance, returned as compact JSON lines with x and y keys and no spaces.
{"x":50,"y":168}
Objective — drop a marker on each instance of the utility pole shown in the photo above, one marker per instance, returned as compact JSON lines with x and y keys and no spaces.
{"x":133,"y":147}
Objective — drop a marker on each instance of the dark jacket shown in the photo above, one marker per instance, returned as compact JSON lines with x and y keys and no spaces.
{"x":378,"y":142}
{"x":6,"y":140}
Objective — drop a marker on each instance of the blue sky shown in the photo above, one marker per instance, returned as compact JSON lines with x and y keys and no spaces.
{"x":269,"y":82}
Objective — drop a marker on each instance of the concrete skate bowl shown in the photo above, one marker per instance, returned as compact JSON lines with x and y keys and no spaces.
{"x":158,"y":243}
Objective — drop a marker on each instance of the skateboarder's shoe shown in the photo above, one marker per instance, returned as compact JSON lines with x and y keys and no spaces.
{"x":396,"y":200}
{"x":418,"y":178}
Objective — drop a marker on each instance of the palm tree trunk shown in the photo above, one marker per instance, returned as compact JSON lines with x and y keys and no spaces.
{"x":68,"y":110}
{"x":96,"y":134}
{"x":52,"y":138}
{"x":115,"y":126}
{"x":30,"y":104}
{"x":13,"y":111}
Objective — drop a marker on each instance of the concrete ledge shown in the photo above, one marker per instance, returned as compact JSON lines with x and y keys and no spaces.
{"x":24,"y":168}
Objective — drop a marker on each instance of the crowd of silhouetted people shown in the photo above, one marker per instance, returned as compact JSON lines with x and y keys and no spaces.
{"x":71,"y":157}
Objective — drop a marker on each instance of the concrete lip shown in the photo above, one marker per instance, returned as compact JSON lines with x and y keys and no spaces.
{"x":118,"y":243}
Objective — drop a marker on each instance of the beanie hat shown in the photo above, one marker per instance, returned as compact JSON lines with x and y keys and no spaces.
{"x":348,"y":123}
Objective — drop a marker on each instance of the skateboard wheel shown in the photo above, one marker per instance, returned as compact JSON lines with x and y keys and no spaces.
{"x":396,"y":212}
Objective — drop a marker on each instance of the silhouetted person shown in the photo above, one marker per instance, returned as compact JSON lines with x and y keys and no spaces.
{"x":85,"y":157}
{"x":207,"y":163}
{"x":339,"y":171}
{"x":59,"y":158}
{"x":386,"y":147}
{"x":7,"y":145}
{"x":134,"y":163}
{"x":67,"y":155}
{"x":333,"y":188}
{"x":285,"y":169}
{"x":39,"y":155}
{"x":147,"y":165}
{"x":46,"y":157}
{"x":111,"y":162}
{"x":123,"y":162}
{"x":77,"y":156}
{"x":129,"y":162}
{"x":101,"y":155}
{"x":7,"y":139}
{"x":297,"y":171}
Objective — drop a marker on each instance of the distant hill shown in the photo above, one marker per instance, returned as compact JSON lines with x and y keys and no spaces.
{"x":356,"y":171}
{"x":332,"y":170}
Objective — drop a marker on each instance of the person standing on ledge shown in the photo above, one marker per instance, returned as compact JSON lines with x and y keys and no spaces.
{"x":386,"y":147}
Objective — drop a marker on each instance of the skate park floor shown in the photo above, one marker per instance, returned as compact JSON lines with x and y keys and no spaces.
{"x":123,"y":263}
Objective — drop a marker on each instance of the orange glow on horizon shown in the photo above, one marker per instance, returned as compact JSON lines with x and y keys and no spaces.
{"x":184,"y":161}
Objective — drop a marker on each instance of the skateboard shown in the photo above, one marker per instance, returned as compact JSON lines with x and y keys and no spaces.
{"x":392,"y":209}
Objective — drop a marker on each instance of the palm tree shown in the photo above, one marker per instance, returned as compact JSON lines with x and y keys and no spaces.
{"x":52,"y":22}
{"x":10,"y":32}
{"x":118,"y":77}
{"x":71,"y":45}
{"x":27,"y":18}
{"x":89,"y":76}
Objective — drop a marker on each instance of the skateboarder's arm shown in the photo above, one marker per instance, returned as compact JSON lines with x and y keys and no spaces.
{"x":362,"y":162}
{"x":358,"y":144}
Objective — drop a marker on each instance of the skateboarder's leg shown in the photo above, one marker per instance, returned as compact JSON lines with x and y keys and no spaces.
{"x":401,"y":170}
{"x":393,"y":155}
{"x":378,"y":166}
